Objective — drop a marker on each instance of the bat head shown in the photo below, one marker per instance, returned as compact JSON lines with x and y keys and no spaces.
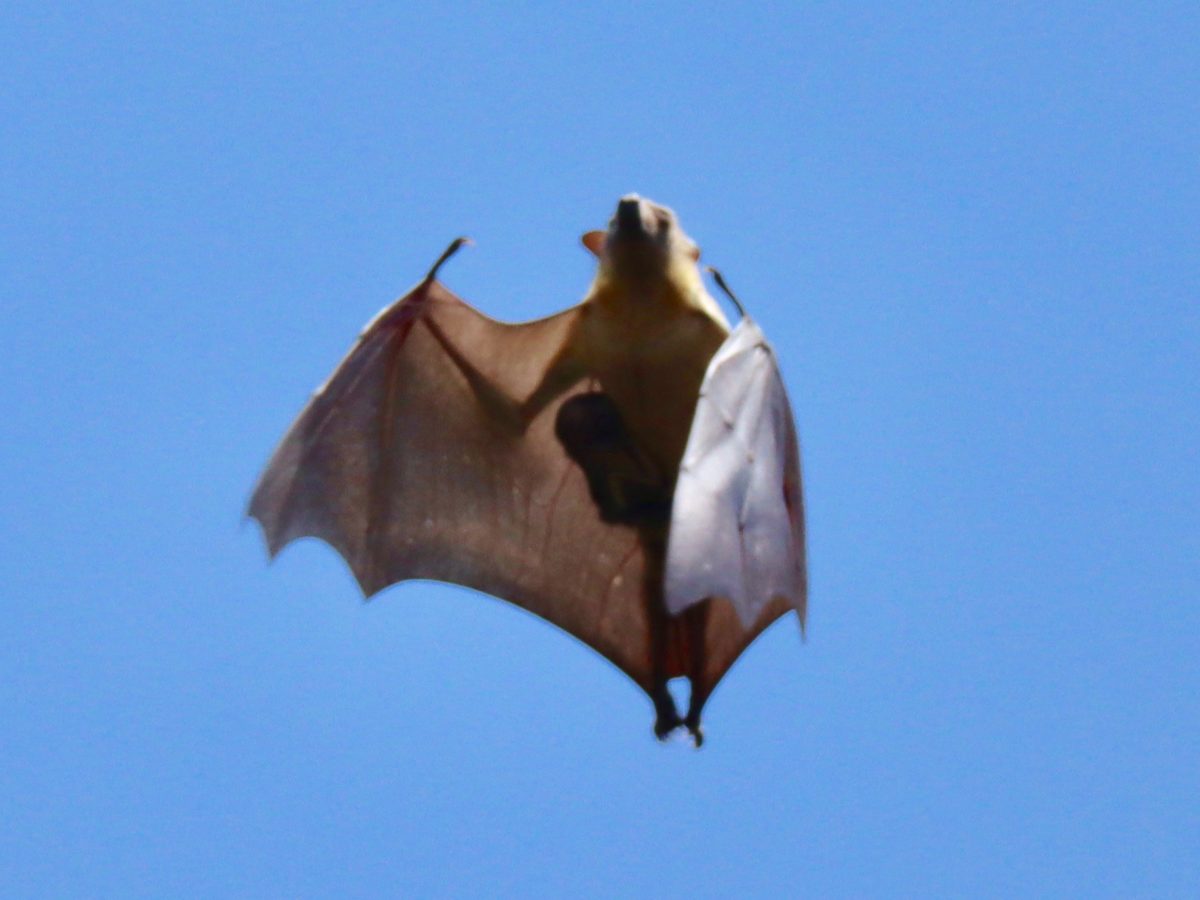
{"x":643,"y":240}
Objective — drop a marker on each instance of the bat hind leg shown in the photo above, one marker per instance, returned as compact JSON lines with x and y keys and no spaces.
{"x":666,"y":716}
{"x":692,"y":721}
{"x":696,"y":624}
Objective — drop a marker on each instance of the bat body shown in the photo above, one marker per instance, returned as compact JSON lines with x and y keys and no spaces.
{"x":541,"y":463}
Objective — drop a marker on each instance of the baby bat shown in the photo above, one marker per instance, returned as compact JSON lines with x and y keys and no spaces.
{"x":627,"y":469}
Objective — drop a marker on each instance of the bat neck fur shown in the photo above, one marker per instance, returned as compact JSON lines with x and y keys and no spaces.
{"x":676,"y":288}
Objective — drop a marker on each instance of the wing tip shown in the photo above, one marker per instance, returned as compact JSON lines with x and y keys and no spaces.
{"x":273,"y":542}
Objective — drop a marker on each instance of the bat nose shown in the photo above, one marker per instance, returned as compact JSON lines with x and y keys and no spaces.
{"x":629,"y":214}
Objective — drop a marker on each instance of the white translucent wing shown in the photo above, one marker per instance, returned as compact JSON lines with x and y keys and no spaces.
{"x":737,"y":522}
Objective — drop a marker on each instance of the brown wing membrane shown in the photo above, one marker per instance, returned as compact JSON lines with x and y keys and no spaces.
{"x":393,"y":463}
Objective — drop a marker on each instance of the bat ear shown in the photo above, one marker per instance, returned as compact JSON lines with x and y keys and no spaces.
{"x":594,"y":241}
{"x":695,"y":253}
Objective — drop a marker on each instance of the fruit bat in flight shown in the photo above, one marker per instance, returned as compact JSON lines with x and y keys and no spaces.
{"x":627,"y":469}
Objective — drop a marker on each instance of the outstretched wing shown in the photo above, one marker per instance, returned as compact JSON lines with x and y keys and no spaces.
{"x":394,"y":464}
{"x":737,"y":524}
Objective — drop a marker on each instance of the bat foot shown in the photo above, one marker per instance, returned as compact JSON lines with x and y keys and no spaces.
{"x":695,"y":730}
{"x":666,"y":718}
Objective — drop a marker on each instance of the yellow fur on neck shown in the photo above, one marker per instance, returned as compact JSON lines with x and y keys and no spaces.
{"x":678,"y":289}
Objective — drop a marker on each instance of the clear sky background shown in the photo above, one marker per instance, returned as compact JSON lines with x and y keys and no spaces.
{"x":971,"y":232}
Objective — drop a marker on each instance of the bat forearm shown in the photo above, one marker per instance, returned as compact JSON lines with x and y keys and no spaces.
{"x":513,"y":415}
{"x":499,"y":406}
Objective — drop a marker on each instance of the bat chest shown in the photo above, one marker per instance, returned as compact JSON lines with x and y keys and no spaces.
{"x":651,"y":366}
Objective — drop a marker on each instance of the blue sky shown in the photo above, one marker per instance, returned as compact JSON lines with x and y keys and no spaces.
{"x":971,"y":233}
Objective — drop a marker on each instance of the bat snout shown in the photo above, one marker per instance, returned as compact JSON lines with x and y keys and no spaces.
{"x":639,"y":221}
{"x":629,"y":220}
{"x":640,"y":239}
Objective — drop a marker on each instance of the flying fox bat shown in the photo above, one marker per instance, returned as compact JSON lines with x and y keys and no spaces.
{"x":627,"y":469}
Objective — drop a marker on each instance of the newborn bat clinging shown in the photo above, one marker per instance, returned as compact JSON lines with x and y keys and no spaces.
{"x":626,"y":469}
